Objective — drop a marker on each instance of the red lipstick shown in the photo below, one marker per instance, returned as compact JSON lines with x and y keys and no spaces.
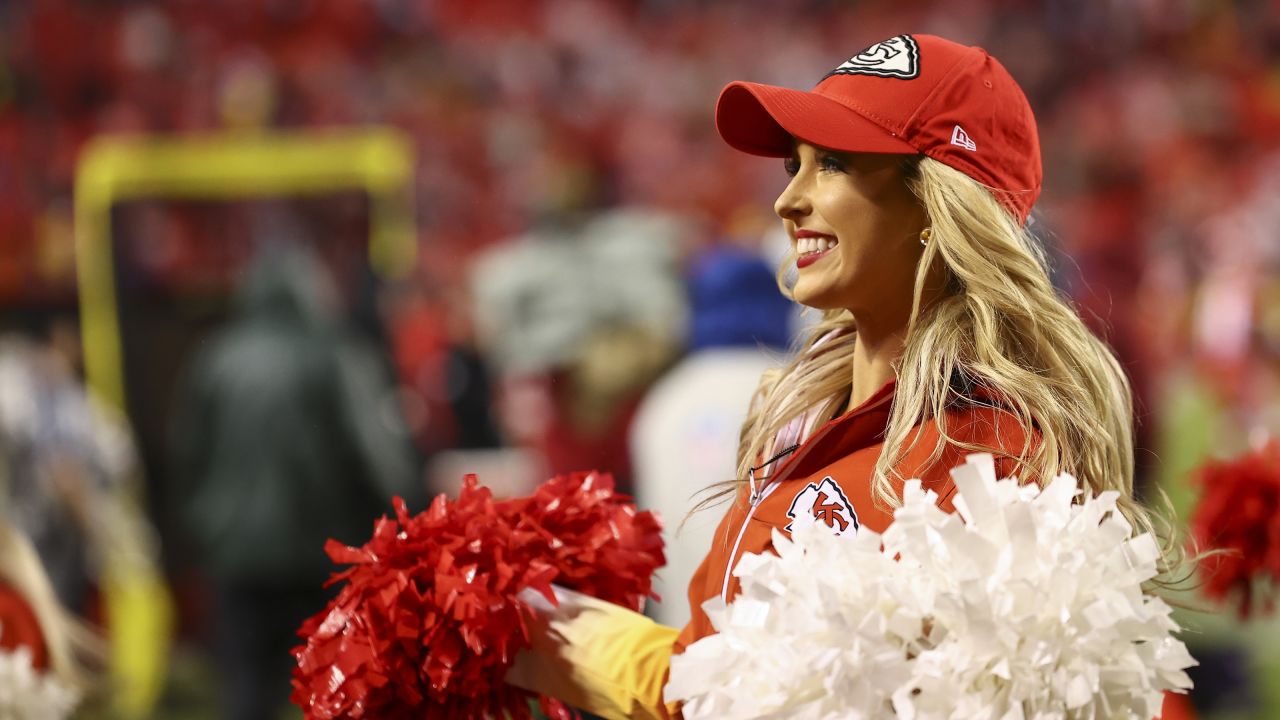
{"x":810,"y":258}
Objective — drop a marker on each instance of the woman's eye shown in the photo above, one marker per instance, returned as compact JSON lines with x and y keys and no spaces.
{"x":791,"y":166}
{"x":831,"y":163}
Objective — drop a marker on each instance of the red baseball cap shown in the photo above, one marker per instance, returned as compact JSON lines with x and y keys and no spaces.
{"x":909,"y":94}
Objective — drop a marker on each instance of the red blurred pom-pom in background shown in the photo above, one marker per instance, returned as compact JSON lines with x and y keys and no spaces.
{"x":428,"y":621}
{"x":1239,"y":513}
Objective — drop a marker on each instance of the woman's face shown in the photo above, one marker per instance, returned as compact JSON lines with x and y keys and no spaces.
{"x":855,"y":227}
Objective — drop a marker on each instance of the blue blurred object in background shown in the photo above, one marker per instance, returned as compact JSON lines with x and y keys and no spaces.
{"x":735,"y":301}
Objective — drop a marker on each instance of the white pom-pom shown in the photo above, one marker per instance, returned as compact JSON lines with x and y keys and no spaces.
{"x":28,"y":694}
{"x":1025,"y":604}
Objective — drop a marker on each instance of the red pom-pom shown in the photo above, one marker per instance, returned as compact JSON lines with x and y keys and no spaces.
{"x":1239,"y":512}
{"x":597,"y":540}
{"x":19,"y":627}
{"x":429,"y":620}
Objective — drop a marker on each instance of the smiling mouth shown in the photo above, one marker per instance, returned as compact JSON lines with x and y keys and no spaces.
{"x":809,"y":249}
{"x":814,"y":245}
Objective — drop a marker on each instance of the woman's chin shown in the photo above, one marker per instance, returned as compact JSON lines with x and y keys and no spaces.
{"x":811,"y":295}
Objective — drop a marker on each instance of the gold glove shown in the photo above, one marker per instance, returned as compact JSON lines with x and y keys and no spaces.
{"x":596,"y":656}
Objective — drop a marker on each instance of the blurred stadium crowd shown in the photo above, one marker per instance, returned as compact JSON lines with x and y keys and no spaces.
{"x":582,"y":230}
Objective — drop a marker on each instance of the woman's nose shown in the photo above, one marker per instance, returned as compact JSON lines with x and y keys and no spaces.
{"x":793,"y":203}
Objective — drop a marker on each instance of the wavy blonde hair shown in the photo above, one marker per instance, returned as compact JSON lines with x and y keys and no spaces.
{"x":76,"y":652}
{"x":999,"y":324}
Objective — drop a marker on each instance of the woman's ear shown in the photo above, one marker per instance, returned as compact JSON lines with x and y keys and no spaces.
{"x":911,"y":167}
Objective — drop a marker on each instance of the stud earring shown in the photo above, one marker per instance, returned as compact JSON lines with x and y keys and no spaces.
{"x":925,"y":234}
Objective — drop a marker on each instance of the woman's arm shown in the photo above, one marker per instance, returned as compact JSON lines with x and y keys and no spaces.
{"x":596,"y":656}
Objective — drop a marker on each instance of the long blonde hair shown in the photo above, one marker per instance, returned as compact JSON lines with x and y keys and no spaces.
{"x":1000,"y":324}
{"x":76,"y":652}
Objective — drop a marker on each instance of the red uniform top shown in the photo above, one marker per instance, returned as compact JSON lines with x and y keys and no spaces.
{"x":828,"y":478}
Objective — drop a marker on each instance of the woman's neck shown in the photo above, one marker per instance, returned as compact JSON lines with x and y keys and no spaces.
{"x":874,"y":355}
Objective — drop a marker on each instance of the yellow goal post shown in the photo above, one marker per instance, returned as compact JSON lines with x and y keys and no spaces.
{"x":226,"y":166}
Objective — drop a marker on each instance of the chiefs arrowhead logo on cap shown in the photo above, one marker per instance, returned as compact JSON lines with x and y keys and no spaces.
{"x":897,"y":57}
{"x":824,"y":503}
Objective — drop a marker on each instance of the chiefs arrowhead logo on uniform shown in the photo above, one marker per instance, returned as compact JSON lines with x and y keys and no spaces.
{"x":825,"y":503}
{"x":897,"y":57}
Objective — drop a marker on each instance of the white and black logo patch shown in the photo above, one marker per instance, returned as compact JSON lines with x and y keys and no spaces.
{"x":961,"y":138}
{"x":897,"y":57}
{"x":824,"y":502}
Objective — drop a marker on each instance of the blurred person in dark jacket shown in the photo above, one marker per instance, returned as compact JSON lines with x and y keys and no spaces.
{"x":287,"y":434}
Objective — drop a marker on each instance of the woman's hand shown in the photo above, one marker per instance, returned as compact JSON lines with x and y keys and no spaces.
{"x":596,"y":656}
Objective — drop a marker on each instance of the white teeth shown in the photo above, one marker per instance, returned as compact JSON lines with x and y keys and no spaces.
{"x":806,"y":246}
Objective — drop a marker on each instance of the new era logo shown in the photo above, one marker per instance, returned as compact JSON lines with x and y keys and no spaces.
{"x":961,"y":138}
